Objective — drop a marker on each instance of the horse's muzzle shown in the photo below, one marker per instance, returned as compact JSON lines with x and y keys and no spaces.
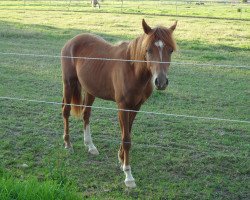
{"x":161,"y":83}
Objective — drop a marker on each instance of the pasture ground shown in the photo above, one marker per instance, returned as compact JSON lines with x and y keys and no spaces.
{"x":172,"y":157}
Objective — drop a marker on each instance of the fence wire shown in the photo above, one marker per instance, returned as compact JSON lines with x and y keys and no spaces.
{"x":124,"y":60}
{"x":126,"y":110}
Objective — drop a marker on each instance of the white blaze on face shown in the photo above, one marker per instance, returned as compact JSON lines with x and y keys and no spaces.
{"x":160,"y":46}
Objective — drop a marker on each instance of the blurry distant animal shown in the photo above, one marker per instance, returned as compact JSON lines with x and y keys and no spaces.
{"x":199,"y":3}
{"x":95,"y":3}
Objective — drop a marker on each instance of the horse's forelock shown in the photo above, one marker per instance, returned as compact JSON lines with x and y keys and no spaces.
{"x":139,"y":46}
{"x":160,"y":33}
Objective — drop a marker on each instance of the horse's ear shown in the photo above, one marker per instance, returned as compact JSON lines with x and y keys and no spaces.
{"x":146,"y":27}
{"x":172,"y":28}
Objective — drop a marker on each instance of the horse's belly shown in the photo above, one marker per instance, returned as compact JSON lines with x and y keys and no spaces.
{"x":96,"y":84}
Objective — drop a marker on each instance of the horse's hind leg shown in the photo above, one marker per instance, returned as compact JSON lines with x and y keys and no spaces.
{"x":88,"y":101}
{"x":67,"y":94}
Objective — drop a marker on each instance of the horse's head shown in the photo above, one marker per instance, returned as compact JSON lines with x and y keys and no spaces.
{"x":158,"y":45}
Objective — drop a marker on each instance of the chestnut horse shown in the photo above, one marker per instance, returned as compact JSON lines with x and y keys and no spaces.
{"x":128,"y":83}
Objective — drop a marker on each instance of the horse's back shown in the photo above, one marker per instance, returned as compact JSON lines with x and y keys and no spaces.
{"x":83,"y":43}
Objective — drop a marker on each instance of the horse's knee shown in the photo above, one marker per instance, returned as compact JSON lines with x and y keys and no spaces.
{"x":126,"y":143}
{"x":66,"y":111}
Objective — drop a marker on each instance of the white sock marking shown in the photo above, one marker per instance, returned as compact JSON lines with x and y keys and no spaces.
{"x":129,"y":181}
{"x":88,"y":141}
{"x":127,"y":171}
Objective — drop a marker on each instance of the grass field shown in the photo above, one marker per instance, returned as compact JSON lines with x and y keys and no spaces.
{"x":172,"y":157}
{"x":182,"y":8}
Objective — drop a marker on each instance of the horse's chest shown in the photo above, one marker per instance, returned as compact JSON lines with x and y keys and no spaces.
{"x":138,"y":95}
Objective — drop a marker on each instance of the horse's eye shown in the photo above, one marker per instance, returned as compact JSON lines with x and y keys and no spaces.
{"x":171,"y":51}
{"x":149,"y":51}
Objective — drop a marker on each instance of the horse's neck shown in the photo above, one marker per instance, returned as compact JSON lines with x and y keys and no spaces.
{"x":135,"y":53}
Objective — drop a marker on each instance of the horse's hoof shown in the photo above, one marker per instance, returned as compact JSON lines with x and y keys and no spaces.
{"x":130,"y":183}
{"x":94,"y":151}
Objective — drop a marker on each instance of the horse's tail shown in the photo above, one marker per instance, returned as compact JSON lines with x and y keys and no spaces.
{"x":72,"y":93}
{"x":76,"y":99}
{"x":72,"y":97}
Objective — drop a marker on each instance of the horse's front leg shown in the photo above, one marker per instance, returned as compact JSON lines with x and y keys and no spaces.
{"x":125,"y":147}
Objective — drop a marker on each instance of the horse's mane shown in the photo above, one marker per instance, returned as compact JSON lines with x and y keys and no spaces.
{"x":138,"y":46}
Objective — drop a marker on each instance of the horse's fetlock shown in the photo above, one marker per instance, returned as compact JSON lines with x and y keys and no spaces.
{"x":87,"y":143}
{"x":66,"y":137}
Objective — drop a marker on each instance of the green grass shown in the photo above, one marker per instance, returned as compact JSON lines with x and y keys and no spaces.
{"x":180,"y":8}
{"x":32,"y":188}
{"x":172,"y":157}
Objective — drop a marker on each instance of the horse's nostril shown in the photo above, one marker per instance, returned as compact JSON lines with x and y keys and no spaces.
{"x":156,"y":82}
{"x":167,"y":81}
